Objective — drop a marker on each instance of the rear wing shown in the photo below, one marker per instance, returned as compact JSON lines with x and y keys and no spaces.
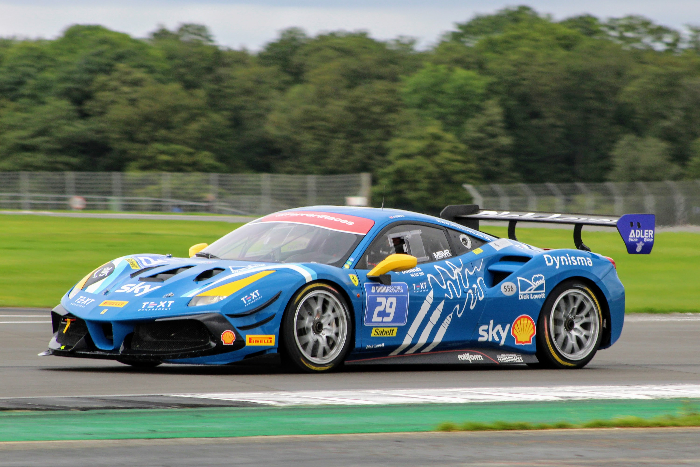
{"x":636,"y":230}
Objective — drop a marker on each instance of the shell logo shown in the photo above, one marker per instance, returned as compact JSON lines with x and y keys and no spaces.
{"x":523,"y":330}
{"x":228,"y":337}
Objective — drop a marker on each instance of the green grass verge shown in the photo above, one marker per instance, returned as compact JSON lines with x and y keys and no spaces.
{"x":42,"y":257}
{"x":273,"y":421}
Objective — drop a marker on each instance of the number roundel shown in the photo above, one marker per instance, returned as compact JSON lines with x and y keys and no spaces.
{"x":387,"y":305}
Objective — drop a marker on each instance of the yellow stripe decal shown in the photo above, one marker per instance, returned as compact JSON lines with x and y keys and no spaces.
{"x":233,"y":287}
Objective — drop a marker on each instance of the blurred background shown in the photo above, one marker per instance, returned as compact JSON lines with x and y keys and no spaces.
{"x":536,"y":107}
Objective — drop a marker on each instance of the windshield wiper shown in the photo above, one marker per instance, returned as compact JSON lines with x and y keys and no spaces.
{"x":203,"y":254}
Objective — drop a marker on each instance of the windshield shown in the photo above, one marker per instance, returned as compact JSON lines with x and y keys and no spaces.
{"x":283,"y":242}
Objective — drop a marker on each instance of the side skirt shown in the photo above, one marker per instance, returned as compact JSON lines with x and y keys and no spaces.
{"x":459,"y":356}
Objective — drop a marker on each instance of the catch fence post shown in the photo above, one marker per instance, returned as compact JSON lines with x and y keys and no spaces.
{"x":476,"y":196}
{"x":503,"y":199}
{"x":531,"y":197}
{"x":588,"y":197}
{"x":678,"y":201}
{"x":310,"y":190}
{"x":116,"y":201}
{"x":558,"y":197}
{"x":265,"y":194}
{"x":366,"y":186}
{"x":165,"y":191}
{"x":618,"y":200}
{"x":24,"y":189}
{"x":649,"y":200}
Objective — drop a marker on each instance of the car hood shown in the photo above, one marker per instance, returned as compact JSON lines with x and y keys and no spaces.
{"x":151,"y":286}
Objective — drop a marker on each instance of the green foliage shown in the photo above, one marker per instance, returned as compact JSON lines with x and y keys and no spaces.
{"x":522,"y":96}
{"x":642,"y":159}
{"x":426,"y":168}
{"x":450,"y":95}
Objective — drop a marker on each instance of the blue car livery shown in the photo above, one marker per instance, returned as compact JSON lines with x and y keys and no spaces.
{"x":323,"y":286}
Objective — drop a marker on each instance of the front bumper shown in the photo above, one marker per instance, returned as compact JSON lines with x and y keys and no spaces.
{"x":156,"y":340}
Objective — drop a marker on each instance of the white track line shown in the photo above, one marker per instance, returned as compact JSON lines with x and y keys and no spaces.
{"x":24,"y":322}
{"x":647,"y":318}
{"x":458,"y":395}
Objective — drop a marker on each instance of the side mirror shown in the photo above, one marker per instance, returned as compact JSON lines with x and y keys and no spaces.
{"x":194,"y":249}
{"x":396,"y":262}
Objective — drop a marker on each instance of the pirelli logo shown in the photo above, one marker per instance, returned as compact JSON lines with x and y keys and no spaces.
{"x":384,"y":332}
{"x":115,"y":303}
{"x":260,"y":340}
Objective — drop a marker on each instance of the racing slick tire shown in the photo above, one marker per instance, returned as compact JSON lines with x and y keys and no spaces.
{"x":571,"y":324}
{"x":317,"y":329}
{"x":140,"y":363}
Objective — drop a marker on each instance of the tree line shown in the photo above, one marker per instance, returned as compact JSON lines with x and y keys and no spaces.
{"x":509,"y":97}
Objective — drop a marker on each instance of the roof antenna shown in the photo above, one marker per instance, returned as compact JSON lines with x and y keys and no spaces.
{"x":383,"y":190}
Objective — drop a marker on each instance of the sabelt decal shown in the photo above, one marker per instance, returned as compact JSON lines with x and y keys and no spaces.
{"x":523,"y":330}
{"x":132,"y":263}
{"x":228,"y":337}
{"x":326,"y":220}
{"x":384,"y":332}
{"x":355,"y":281}
{"x":261,"y":340}
{"x":114,"y":303}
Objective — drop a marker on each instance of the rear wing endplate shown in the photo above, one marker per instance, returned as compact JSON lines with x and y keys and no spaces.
{"x":636,"y":230}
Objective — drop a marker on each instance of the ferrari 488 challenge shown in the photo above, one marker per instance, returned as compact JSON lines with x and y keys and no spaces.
{"x":324,"y":286}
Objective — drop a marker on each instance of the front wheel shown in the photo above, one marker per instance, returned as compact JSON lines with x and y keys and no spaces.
{"x":572,"y":323}
{"x":317,"y":329}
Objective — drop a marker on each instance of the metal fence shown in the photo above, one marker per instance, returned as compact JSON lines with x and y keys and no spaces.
{"x":674,"y":203}
{"x":244,"y":194}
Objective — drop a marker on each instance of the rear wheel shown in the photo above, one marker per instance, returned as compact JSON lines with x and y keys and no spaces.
{"x":571,"y":324}
{"x":317,"y":329}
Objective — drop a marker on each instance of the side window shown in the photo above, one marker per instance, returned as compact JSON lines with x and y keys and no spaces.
{"x":462,"y":242}
{"x":425,"y":243}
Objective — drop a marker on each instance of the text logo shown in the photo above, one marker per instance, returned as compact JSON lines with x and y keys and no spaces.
{"x":567,"y":260}
{"x":420,"y":288}
{"x":355,"y":281}
{"x":114,"y":303}
{"x":509,"y":358}
{"x":383,"y":332}
{"x":438,"y":255}
{"x":375,"y":346}
{"x":157,"y":306}
{"x":82,"y":302}
{"x":508,"y":289}
{"x":523,"y":330}
{"x":491,"y":333}
{"x":138,"y":289}
{"x":531,"y":289}
{"x":468,"y":357}
{"x":251,"y":298}
{"x":132,"y":263}
{"x":266,"y":340}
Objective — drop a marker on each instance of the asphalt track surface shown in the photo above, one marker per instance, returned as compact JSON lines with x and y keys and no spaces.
{"x":633,"y":447}
{"x":653,"y":349}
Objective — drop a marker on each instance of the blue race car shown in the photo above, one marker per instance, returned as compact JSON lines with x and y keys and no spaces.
{"x":323,"y":286}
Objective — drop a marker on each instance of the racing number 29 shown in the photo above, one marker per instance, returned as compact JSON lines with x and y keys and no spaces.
{"x":387,"y":305}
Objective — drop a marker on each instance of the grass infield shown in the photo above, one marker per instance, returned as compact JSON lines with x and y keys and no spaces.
{"x":42,"y":257}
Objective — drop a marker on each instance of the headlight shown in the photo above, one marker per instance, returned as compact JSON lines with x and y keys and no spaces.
{"x":205,"y":300}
